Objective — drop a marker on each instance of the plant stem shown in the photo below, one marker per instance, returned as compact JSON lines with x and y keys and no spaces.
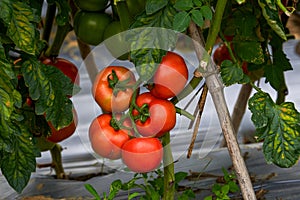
{"x":50,"y":15}
{"x":215,"y":86}
{"x":124,"y":15}
{"x":61,"y":33}
{"x":184,"y":113}
{"x":239,"y":109}
{"x":169,"y":177}
{"x":57,"y":161}
{"x":200,"y":106}
{"x":194,"y":82}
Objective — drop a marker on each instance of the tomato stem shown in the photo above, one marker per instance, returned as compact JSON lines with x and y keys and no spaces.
{"x":283,"y":8}
{"x":61,"y":33}
{"x":57,"y":161}
{"x":50,"y":15}
{"x":131,"y":108}
{"x":124,"y":14}
{"x":184,"y":113}
{"x":194,"y":82}
{"x":169,"y":175}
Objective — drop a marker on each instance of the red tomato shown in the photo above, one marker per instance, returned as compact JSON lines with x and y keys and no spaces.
{"x":170,"y":76}
{"x":105,"y":140}
{"x":157,"y":118}
{"x":245,"y":68}
{"x":67,"y":67}
{"x":64,"y":133}
{"x":114,"y":96}
{"x":142,"y":154}
{"x":221,"y":54}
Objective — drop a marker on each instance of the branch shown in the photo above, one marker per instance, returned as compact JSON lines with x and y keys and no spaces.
{"x":215,"y":86}
{"x":239,"y":109}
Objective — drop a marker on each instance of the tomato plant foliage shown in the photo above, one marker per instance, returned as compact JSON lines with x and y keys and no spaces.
{"x":31,"y":93}
{"x":278,"y":126}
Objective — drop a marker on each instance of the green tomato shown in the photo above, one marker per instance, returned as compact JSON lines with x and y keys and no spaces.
{"x":135,"y":7}
{"x":115,"y":42}
{"x":89,"y":27}
{"x":91,"y":5}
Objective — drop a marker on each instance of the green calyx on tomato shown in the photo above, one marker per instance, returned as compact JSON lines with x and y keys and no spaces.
{"x":142,"y":154}
{"x":154,"y":117}
{"x":116,"y":84}
{"x":91,"y":5}
{"x":113,"y":88}
{"x":89,"y":27}
{"x":172,"y":69}
{"x":106,"y":141}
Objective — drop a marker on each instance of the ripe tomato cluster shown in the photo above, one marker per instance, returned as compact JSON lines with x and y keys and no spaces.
{"x":133,"y":123}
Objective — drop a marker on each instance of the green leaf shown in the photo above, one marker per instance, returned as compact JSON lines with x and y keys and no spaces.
{"x":49,"y":87}
{"x":225,"y":189}
{"x":150,"y":36}
{"x":9,"y":97}
{"x":179,"y":176}
{"x":17,"y":164}
{"x":181,"y":21}
{"x":92,"y":190}
{"x":208,"y":198}
{"x":114,"y":189}
{"x":197,"y":3}
{"x":278,"y":126}
{"x":270,"y":13}
{"x":197,"y":17}
{"x":133,"y":195}
{"x":5,"y":64}
{"x":279,"y":57}
{"x":240,"y":1}
{"x":206,"y":12}
{"x":20,"y":20}
{"x":274,"y":75}
{"x":233,"y":186}
{"x":249,"y":51}
{"x":183,"y":5}
{"x":245,"y":22}
{"x":153,"y":6}
{"x":274,"y":72}
{"x":63,"y":13}
{"x":231,"y":73}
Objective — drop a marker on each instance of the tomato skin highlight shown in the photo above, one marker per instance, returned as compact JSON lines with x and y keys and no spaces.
{"x":64,"y":133}
{"x":91,"y":5}
{"x":170,"y":77}
{"x":89,"y":27}
{"x":105,"y":140}
{"x":103,"y":93}
{"x":67,"y":67}
{"x":142,"y":154}
{"x":162,"y":116}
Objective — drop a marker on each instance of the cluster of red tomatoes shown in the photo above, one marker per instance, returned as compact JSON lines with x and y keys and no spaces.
{"x":132,"y":124}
